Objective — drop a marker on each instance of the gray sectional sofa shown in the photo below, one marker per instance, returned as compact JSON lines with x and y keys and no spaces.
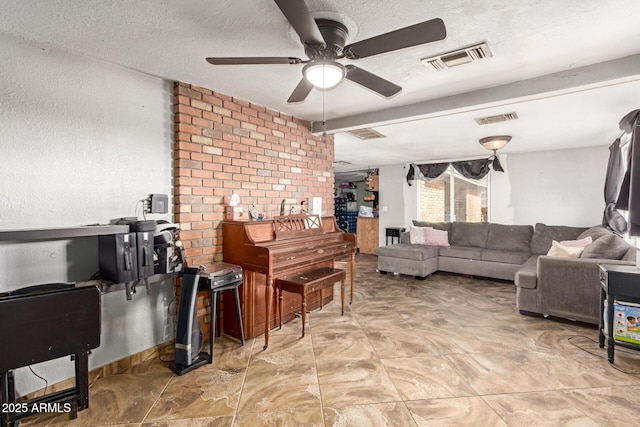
{"x":547,"y":285}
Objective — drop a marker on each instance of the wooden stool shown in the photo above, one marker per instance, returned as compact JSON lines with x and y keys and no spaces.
{"x":307,"y":282}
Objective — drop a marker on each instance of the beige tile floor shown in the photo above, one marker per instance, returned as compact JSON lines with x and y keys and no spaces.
{"x":447,"y":351}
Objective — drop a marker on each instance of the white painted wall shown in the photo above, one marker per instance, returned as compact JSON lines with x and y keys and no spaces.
{"x":563,"y":187}
{"x":394,"y":205}
{"x":82,"y":141}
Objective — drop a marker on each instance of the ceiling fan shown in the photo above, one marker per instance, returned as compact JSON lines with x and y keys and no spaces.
{"x":324,"y":44}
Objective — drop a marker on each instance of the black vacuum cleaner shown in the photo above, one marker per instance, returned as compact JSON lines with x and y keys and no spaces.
{"x":189,"y":336}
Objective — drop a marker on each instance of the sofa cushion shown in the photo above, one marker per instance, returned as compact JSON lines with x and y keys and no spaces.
{"x":527,"y":276}
{"x":506,"y":257}
{"x":413,"y":252}
{"x":510,"y":237}
{"x":544,"y":235}
{"x":630,"y":255}
{"x":469,"y":234}
{"x":446,"y":226}
{"x":461,"y":252}
{"x":606,"y":247}
{"x":595,"y":233}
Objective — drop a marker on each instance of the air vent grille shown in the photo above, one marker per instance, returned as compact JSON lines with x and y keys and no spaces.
{"x":366,"y":133}
{"x":458,"y":57}
{"x":496,"y":119}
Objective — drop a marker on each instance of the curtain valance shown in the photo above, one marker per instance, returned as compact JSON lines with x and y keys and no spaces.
{"x":471,"y":169}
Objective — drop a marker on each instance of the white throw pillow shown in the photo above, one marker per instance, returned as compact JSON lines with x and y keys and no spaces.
{"x":564,"y":251}
{"x":416,"y":235}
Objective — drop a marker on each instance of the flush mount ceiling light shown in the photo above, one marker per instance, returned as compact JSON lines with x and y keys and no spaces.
{"x":495,"y":143}
{"x":324,"y":74}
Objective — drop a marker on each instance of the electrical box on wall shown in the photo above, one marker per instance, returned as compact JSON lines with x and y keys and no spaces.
{"x":315,"y":205}
{"x":159,"y":203}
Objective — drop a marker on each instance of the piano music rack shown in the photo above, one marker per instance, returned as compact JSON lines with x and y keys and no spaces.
{"x":298,"y":225}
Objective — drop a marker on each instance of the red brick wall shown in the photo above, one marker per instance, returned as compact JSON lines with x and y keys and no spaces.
{"x":225,"y":145}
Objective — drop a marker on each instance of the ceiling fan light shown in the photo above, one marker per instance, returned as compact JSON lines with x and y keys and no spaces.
{"x":495,"y":143}
{"x":324,"y":75}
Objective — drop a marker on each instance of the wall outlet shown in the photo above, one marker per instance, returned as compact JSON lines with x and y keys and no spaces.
{"x":315,"y":205}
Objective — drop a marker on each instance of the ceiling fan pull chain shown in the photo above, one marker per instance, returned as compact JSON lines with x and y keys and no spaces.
{"x":324,"y":123}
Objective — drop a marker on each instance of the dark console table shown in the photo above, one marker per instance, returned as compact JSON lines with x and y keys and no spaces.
{"x":618,"y":283}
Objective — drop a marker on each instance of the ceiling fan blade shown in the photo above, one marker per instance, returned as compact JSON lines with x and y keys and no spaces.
{"x":300,"y":18}
{"x":424,"y":32}
{"x":371,"y":81}
{"x":253,"y":60}
{"x":301,"y":91}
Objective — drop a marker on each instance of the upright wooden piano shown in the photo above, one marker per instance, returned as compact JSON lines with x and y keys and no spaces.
{"x":270,"y":249}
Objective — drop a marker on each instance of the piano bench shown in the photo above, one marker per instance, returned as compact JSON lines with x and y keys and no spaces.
{"x":307,"y":282}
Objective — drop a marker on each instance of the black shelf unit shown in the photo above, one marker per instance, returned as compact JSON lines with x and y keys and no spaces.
{"x":340,"y":210}
{"x":619,"y":284}
{"x":352,"y":218}
{"x":375,"y":201}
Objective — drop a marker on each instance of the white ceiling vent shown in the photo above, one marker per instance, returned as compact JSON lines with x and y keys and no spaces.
{"x":496,"y":119}
{"x":366,"y":133}
{"x":458,"y":57}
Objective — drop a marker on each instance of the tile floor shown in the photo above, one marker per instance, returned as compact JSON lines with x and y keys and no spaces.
{"x":447,"y":351}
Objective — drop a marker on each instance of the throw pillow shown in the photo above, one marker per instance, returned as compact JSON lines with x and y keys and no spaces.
{"x":416,"y":235}
{"x":580,"y":243}
{"x":560,"y":250}
{"x":595,"y":233}
{"x":544,"y":235}
{"x":436,"y":237}
{"x":606,"y":247}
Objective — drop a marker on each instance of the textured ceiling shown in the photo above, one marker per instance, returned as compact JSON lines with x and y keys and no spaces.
{"x":570,"y":69}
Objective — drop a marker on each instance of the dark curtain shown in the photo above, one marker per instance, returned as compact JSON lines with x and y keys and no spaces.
{"x":629,"y":197}
{"x":433,"y":170}
{"x":472,"y":169}
{"x":613,"y":180}
{"x":496,"y":164}
{"x":426,"y":172}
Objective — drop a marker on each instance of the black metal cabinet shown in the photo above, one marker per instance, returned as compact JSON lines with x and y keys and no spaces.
{"x":618,"y":283}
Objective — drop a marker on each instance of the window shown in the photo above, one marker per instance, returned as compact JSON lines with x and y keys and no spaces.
{"x":452,"y":197}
